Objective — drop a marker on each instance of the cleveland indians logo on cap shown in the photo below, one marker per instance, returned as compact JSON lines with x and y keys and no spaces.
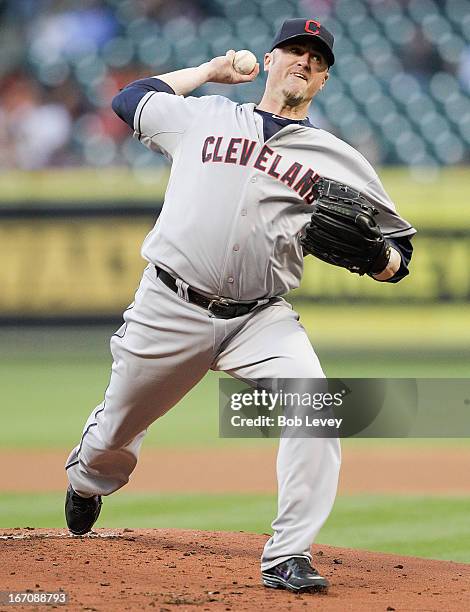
{"x":317,"y":25}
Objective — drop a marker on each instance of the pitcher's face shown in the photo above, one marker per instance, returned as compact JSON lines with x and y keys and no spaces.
{"x":296,"y":71}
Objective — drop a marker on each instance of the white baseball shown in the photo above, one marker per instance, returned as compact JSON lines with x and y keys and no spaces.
{"x":244,"y":61}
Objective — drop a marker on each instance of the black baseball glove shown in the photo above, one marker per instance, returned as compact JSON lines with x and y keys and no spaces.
{"x":343,"y":232}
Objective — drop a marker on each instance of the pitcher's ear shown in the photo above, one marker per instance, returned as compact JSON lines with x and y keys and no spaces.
{"x":267,"y":61}
{"x":327,"y":76}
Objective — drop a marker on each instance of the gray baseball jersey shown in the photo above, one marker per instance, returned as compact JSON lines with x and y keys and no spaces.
{"x":256,"y":195}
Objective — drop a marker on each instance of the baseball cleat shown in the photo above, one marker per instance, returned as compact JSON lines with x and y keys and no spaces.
{"x":81,"y":513}
{"x":296,"y":575}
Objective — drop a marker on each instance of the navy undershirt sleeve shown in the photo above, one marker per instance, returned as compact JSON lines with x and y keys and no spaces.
{"x":127,"y":100}
{"x":403,"y":245}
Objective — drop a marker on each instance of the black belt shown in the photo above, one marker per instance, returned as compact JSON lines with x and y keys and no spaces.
{"x":222,"y":308}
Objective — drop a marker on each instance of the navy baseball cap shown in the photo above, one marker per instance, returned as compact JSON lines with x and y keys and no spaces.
{"x":306,"y":29}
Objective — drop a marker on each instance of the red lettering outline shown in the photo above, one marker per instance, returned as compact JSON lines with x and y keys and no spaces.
{"x":247,"y":151}
{"x":207,"y":156}
{"x":274,"y":165}
{"x":306,"y":182}
{"x":291,"y":174}
{"x":231,"y":149}
{"x":307,"y":26}
{"x":216,"y":157}
{"x":263,"y":157}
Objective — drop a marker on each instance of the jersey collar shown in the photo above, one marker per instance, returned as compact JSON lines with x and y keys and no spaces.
{"x":284,"y":120}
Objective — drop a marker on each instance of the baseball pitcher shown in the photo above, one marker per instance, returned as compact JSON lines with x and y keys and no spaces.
{"x":253,"y":189}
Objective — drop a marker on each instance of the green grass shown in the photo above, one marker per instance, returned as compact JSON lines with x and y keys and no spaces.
{"x":421,"y":526}
{"x":52,"y":378}
{"x":45,"y":401}
{"x":202,"y":511}
{"x":56,"y":397}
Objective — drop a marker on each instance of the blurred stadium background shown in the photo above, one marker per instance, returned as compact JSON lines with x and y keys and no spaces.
{"x":78,"y":194}
{"x":400,"y":91}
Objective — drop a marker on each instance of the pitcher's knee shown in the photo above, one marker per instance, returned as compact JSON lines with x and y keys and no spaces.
{"x":115,"y":439}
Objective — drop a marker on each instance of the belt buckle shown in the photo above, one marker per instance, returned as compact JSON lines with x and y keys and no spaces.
{"x":218,"y":307}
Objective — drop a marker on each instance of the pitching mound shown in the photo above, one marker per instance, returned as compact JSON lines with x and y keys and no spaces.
{"x":192,"y":570}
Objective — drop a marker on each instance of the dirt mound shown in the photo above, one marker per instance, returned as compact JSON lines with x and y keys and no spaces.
{"x":165,"y":570}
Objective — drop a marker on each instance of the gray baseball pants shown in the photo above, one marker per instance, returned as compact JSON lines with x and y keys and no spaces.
{"x":165,"y":346}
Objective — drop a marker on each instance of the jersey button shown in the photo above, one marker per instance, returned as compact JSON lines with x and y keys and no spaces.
{"x":253,"y":179}
{"x":236,"y":247}
{"x":244,"y":212}
{"x":230,"y":279}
